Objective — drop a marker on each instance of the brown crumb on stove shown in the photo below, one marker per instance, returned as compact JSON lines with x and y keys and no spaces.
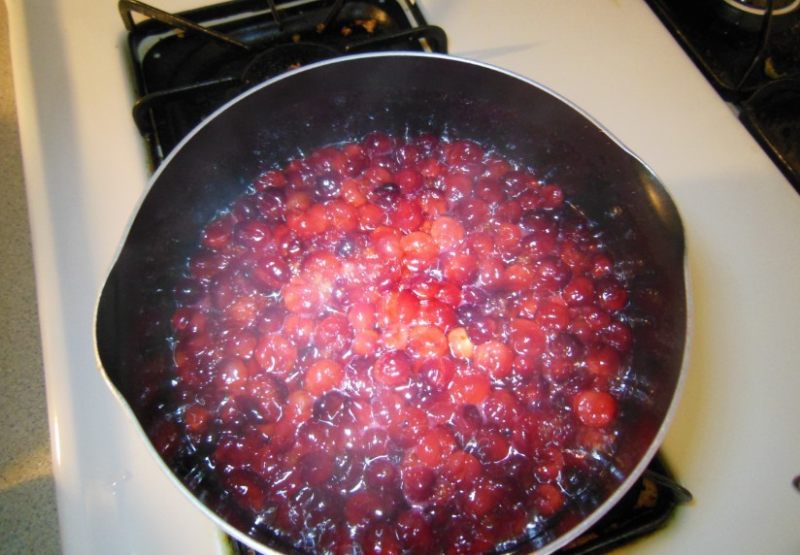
{"x":770,"y":70}
{"x":294,"y":65}
{"x":368,"y":25}
{"x":296,"y":38}
{"x":346,"y":31}
{"x":649,"y":495}
{"x":320,"y":27}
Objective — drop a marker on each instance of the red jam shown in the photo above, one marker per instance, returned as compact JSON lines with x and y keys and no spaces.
{"x":398,"y":346}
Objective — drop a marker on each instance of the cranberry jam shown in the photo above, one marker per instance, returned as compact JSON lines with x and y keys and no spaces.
{"x":397,"y":345}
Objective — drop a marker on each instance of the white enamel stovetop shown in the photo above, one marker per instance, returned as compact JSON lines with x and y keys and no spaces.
{"x":735,"y":442}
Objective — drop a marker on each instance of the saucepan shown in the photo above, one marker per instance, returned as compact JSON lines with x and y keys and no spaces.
{"x":404,"y":94}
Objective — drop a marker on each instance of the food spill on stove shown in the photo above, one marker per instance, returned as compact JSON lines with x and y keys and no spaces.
{"x":397,"y":345}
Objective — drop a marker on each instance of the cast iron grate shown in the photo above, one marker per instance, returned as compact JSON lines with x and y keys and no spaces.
{"x":752,"y":61}
{"x":188,"y":64}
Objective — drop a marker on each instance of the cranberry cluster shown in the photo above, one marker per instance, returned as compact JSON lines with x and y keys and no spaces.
{"x":399,"y":346}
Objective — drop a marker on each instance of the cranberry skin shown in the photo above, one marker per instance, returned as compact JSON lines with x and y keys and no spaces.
{"x":364,"y":506}
{"x":548,"y":499}
{"x":579,"y":291}
{"x":553,"y":315}
{"x":420,"y":251}
{"x":482,"y":497}
{"x":611,"y":295}
{"x":414,"y":531}
{"x":409,"y":180}
{"x":375,"y":442}
{"x":463,"y":151}
{"x":437,"y":372}
{"x":361,"y":316}
{"x":473,"y":213}
{"x":380,"y":539}
{"x":246,"y":489}
{"x":526,"y":338}
{"x":491,"y":447}
{"x":470,"y":389}
{"x":501,"y":408}
{"x":322,"y":376}
{"x":270,"y":179}
{"x":426,"y":342}
{"x":332,"y":408}
{"x":434,"y":447}
{"x":398,"y":308}
{"x":377,"y":143}
{"x":299,"y":406}
{"x":316,"y":468}
{"x":217,"y":235}
{"x":461,"y":345}
{"x":447,"y":232}
{"x":457,"y":187}
{"x":596,"y":409}
{"x":618,"y":336}
{"x":392,"y":369}
{"x":462,"y":468}
{"x":276,"y":354}
{"x":494,"y":358}
{"x":333,"y":336}
{"x":407,"y":215}
{"x":603,"y":361}
{"x":460,"y":268}
{"x":418,"y":483}
{"x":381,"y":474}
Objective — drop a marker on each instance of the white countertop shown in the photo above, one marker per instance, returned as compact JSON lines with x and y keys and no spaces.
{"x":734,"y":442}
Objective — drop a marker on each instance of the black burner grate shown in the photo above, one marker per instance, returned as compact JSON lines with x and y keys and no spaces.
{"x":189,"y":64}
{"x":753,"y":61}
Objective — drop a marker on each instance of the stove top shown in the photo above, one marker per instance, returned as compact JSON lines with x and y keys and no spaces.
{"x":750,"y":51}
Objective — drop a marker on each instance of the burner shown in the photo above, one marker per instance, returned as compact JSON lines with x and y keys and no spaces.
{"x":280,"y":59}
{"x":760,"y":7}
{"x":748,"y":49}
{"x":189,"y":64}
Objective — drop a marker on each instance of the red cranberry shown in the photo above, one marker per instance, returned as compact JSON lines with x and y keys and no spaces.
{"x":494,"y":358}
{"x":595,"y":408}
{"x":392,"y":369}
{"x":322,"y":376}
{"x":341,"y":323}
{"x":418,"y":483}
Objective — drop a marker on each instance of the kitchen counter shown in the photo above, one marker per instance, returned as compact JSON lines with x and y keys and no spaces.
{"x":28,"y":519}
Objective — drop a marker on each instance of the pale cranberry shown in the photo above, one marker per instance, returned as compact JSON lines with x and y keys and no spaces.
{"x":420,"y":251}
{"x":494,"y":358}
{"x":470,"y":389}
{"x":322,"y":376}
{"x":426,"y":342}
{"x":447,"y":232}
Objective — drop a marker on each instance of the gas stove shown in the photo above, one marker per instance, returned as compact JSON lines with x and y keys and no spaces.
{"x":86,"y":168}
